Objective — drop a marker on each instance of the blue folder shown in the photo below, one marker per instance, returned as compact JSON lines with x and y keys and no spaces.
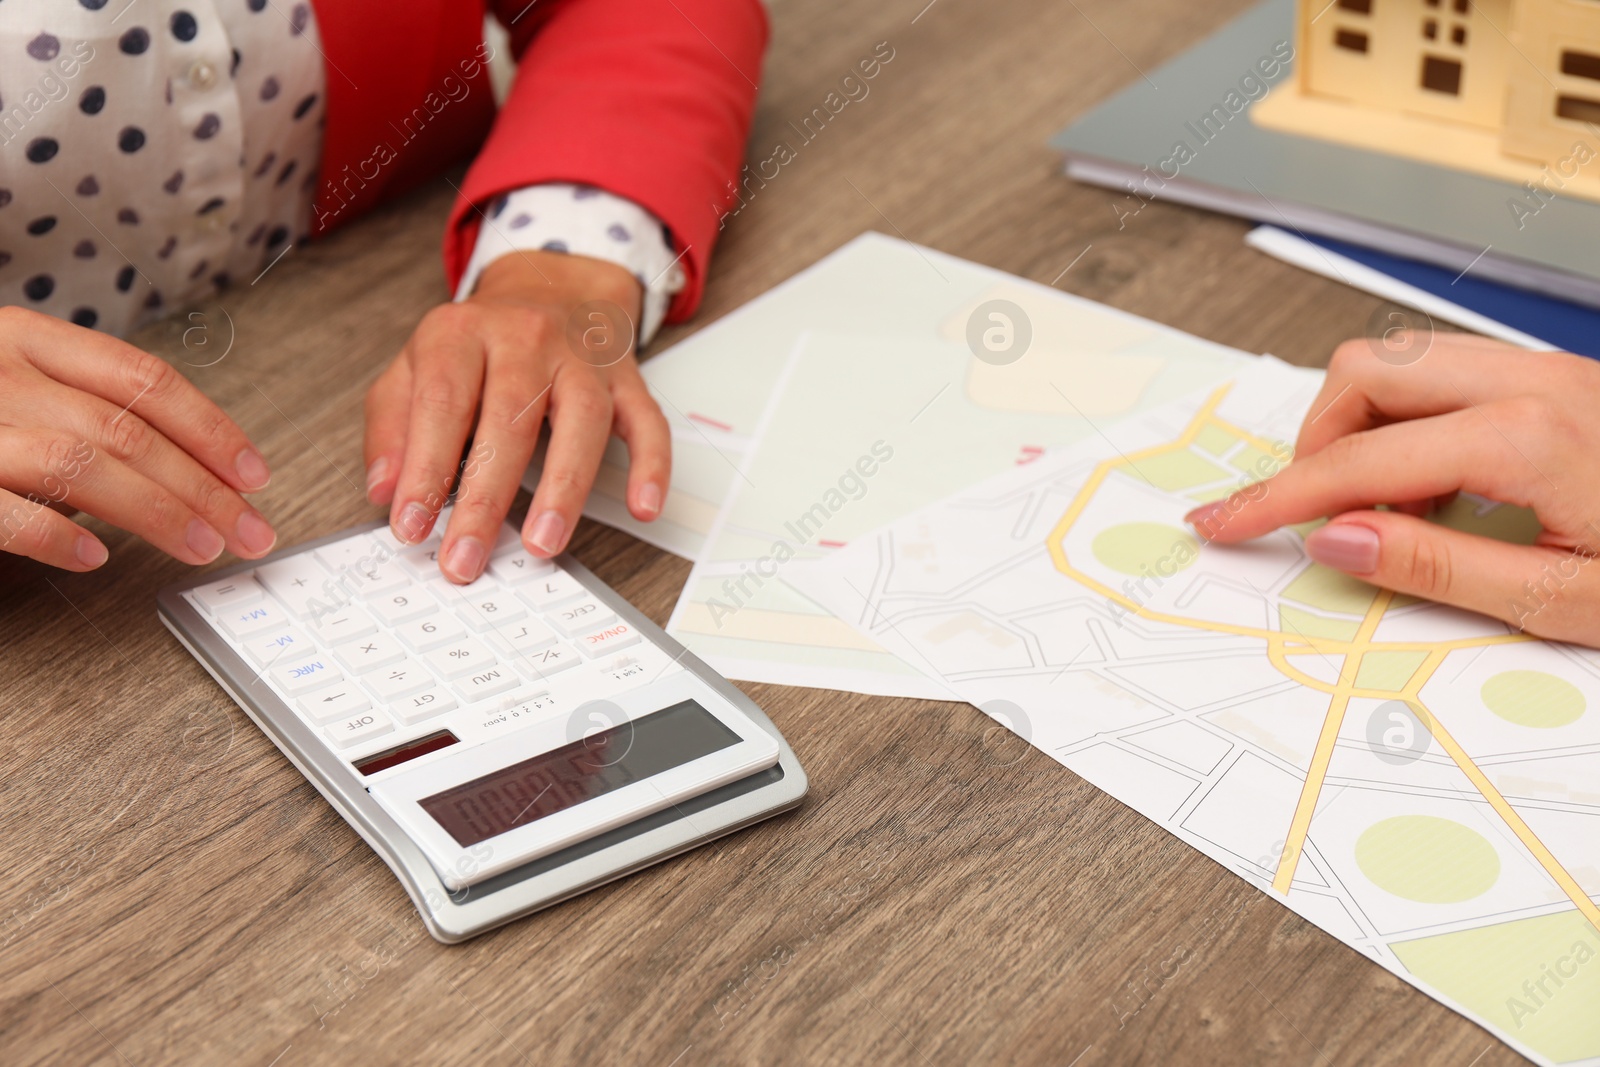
{"x":1570,"y":326}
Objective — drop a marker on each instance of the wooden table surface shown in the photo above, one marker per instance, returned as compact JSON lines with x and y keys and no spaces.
{"x":175,"y":892}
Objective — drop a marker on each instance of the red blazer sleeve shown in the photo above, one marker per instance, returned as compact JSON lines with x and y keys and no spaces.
{"x":648,"y":99}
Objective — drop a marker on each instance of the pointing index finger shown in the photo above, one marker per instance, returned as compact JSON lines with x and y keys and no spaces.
{"x":1415,"y":460}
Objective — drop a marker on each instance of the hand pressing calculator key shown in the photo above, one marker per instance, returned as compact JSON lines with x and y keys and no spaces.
{"x":503,"y":745}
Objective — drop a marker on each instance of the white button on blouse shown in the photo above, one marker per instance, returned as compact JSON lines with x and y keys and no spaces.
{"x":153,"y":150}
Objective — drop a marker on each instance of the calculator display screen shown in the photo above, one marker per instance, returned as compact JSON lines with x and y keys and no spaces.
{"x":554,"y":781}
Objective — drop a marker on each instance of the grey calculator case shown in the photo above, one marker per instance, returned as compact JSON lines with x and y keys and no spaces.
{"x":455,"y":915}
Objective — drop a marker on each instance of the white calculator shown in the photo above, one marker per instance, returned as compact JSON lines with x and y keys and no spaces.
{"x":503,"y":745}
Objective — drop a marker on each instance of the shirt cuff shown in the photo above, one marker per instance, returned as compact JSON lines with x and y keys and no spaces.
{"x":582,"y":221}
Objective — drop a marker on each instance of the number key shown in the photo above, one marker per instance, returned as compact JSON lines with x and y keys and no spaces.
{"x":552,"y":589}
{"x":423,"y":560}
{"x":430,"y":632}
{"x":392,"y":609}
{"x":491,"y":611}
{"x":517,"y":567}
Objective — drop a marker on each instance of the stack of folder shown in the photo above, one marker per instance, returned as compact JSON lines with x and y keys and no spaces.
{"x":1440,"y":239}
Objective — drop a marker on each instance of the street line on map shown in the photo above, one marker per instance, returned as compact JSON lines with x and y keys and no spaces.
{"x":1300,"y":825}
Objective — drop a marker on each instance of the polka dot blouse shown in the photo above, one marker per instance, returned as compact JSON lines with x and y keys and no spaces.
{"x":153,"y":152}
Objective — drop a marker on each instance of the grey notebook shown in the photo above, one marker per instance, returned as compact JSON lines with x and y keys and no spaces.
{"x":1411,"y":209}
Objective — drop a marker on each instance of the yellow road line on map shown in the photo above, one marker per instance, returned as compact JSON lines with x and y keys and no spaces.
{"x":1530,"y":840}
{"x":1280,"y":644}
{"x":1300,"y":824}
{"x":1269,"y":447}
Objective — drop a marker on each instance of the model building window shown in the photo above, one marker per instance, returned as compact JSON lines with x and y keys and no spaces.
{"x":1351,"y":40}
{"x":1580,"y":64}
{"x":1578,"y":109}
{"x":1433,"y":3}
{"x":1430,"y":30}
{"x":1362,"y":6}
{"x":1458,"y":35}
{"x":1441,"y":75}
{"x":1461,"y":6}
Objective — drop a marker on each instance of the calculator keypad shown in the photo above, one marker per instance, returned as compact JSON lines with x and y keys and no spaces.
{"x":370,"y":645}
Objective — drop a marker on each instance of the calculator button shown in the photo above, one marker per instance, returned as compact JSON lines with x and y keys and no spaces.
{"x":394,"y":608}
{"x":399,"y":680}
{"x":460,"y":657}
{"x":491,"y":611}
{"x":552,"y":589}
{"x":369,"y":653}
{"x":297,"y":582}
{"x":529,"y":635}
{"x":228,"y":593}
{"x":581,"y":617}
{"x":606,"y":641}
{"x":302,"y":675}
{"x":458,"y":597}
{"x":358,"y":728}
{"x":378,"y":578}
{"x":548,"y":661}
{"x":431,"y":632}
{"x":422,"y":560}
{"x":516,"y":567}
{"x":361,"y":551}
{"x":246,"y":619}
{"x":445,"y":591}
{"x":269,"y":648}
{"x":335,"y":702}
{"x":486,"y":683}
{"x":423,"y":705}
{"x":336,"y":627}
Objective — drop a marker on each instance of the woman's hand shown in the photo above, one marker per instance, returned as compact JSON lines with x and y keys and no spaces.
{"x":543,"y":334}
{"x":88,"y":423}
{"x":1470,"y":415}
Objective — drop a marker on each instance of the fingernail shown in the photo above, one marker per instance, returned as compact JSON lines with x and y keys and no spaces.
{"x":650,"y":499}
{"x":1345,"y":546}
{"x":545,"y":533}
{"x":412,"y":522}
{"x":1203,"y":514}
{"x":255,"y":534}
{"x":376,"y":473}
{"x":253,"y":472}
{"x":90,"y":552}
{"x":203,"y":541}
{"x":464,"y":561}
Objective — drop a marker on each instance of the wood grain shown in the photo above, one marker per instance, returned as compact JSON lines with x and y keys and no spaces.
{"x":177,"y":893}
